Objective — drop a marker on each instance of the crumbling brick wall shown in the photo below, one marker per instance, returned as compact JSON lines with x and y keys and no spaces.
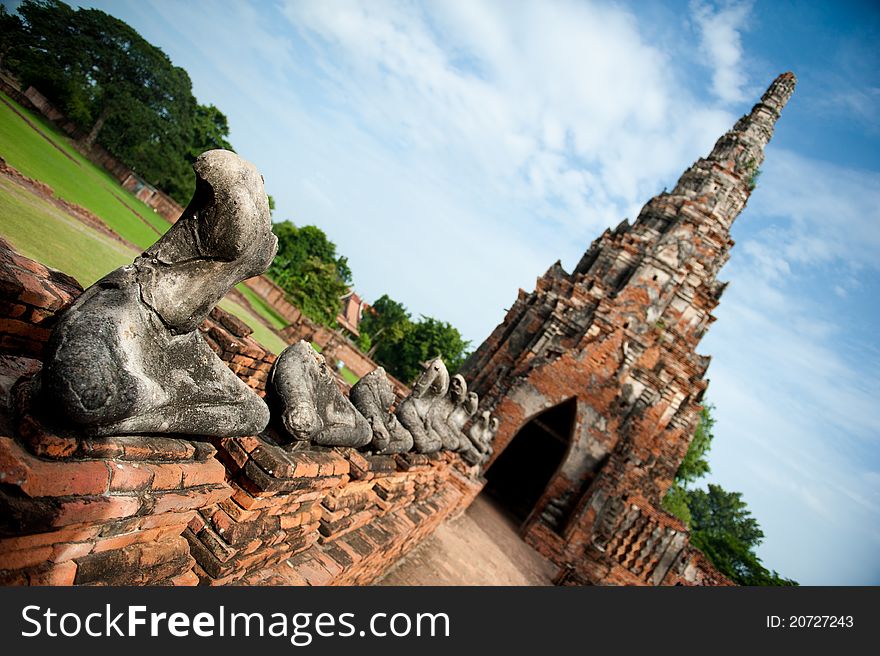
{"x":164,"y":511}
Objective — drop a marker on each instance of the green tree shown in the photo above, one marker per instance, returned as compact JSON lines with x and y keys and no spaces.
{"x":430,"y":338}
{"x":401,"y":345}
{"x":722,"y":527}
{"x":11,"y":36}
{"x":693,"y":467}
{"x":210,"y":131}
{"x":695,"y":464}
{"x":721,"y":524}
{"x":123,"y":92}
{"x":309,"y":270}
{"x":385,"y":322}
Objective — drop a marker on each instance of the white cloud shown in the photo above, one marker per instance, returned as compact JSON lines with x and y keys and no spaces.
{"x":829,"y":212}
{"x":553,"y":122}
{"x":720,"y":42}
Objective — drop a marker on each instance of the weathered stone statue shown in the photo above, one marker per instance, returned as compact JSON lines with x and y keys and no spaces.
{"x":480,"y":436}
{"x":127,"y":356}
{"x":442,"y":408}
{"x":312,"y":408}
{"x":490,"y":436}
{"x":412,"y":412}
{"x":373,"y":397}
{"x":460,"y":416}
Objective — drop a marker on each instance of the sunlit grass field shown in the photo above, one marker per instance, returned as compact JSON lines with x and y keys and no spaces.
{"x":43,"y":232}
{"x":73,"y":177}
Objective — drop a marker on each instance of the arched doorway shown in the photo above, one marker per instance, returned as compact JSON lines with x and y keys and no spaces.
{"x":518,"y":477}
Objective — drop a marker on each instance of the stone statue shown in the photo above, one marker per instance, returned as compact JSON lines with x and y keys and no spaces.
{"x":490,"y":436}
{"x":442,"y":408}
{"x":127,"y":356}
{"x":373,"y":397}
{"x":311,"y":404}
{"x":460,"y":416}
{"x":481,"y":434}
{"x":432,"y":384}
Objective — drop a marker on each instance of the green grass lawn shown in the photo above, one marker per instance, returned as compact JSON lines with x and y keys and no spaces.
{"x":75,"y":178}
{"x":349,"y":376}
{"x":262,"y":308}
{"x":39,"y":230}
{"x":43,"y":232}
{"x":263,"y":335}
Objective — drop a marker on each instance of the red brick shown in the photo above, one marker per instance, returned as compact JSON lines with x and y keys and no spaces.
{"x":156,"y":553}
{"x":34,"y":293}
{"x":166,"y":476}
{"x":25,"y":558}
{"x":68,"y":534}
{"x":186,"y":579}
{"x":39,"y":478}
{"x":70,"y":550}
{"x":130,"y":477}
{"x":188,"y":499}
{"x":248,"y":443}
{"x":203,"y":473}
{"x":91,"y":509}
{"x":60,"y":574}
{"x":12,"y":310}
{"x":179,"y":519}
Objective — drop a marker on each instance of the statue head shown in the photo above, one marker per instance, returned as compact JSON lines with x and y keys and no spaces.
{"x":471,"y":402}
{"x":457,"y":389}
{"x":433,"y":381}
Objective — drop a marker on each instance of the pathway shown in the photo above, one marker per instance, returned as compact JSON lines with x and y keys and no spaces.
{"x":481,"y":547}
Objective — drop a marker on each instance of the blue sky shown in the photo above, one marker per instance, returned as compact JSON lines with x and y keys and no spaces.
{"x":454,"y":150}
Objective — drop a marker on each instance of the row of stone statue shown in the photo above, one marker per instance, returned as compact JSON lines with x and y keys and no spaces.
{"x":431,"y":418}
{"x":127,"y":357}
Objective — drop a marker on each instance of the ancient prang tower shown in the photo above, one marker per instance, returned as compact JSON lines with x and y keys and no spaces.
{"x":597,"y":383}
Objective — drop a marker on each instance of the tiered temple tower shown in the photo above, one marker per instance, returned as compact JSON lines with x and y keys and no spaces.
{"x":596,"y":379}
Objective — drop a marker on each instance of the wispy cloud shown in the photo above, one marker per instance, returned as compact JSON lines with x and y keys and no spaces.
{"x":721,"y":43}
{"x":551,"y":122}
{"x":820,"y":212}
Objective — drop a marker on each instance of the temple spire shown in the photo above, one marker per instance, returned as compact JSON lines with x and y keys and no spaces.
{"x":743,"y":146}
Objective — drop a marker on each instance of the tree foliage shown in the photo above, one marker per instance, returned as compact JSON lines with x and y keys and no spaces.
{"x":401,"y":345}
{"x":695,"y":465}
{"x":721,"y":524}
{"x":386,"y":322}
{"x":309,"y":270}
{"x":122,"y":92}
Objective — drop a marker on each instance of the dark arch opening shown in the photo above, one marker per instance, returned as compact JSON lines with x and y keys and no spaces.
{"x":518,"y":477}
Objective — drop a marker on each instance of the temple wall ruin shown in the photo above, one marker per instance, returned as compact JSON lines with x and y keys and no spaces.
{"x":149,"y":510}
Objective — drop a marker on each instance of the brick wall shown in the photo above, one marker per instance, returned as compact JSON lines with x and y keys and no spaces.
{"x":274,"y":296}
{"x":166,"y":511}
